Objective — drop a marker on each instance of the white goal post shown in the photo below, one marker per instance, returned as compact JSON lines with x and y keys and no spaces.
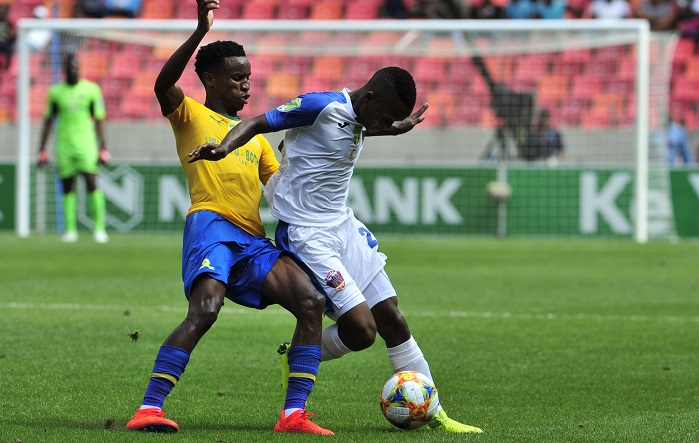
{"x":410,"y":39}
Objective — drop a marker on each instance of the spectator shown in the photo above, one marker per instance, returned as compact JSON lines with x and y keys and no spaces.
{"x":550,"y":9}
{"x":123,"y":8}
{"x":486,"y":10}
{"x":7,"y":38}
{"x":543,"y":142}
{"x":437,"y":9}
{"x":393,"y":9}
{"x":609,"y":9}
{"x":678,"y":141}
{"x":89,"y":9}
{"x":660,"y":14}
{"x":39,"y":38}
{"x":519,"y":9}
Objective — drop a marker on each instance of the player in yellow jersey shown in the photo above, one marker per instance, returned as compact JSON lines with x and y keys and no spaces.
{"x":225,"y":252}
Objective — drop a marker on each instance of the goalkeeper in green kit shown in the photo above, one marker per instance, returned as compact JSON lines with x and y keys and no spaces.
{"x":77,"y":107}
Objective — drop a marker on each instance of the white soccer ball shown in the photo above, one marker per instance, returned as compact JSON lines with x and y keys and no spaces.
{"x":409,"y":400}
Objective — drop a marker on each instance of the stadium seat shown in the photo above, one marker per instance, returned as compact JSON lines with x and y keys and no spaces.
{"x":306,"y":3}
{"x":610,"y":53}
{"x":553,"y":86}
{"x":691,"y":68}
{"x":283,"y":85}
{"x":326,"y":10}
{"x":332,"y":68}
{"x":609,"y":104}
{"x":122,"y":65}
{"x":229,"y":10}
{"x":139,"y":107}
{"x":157,"y":10}
{"x":529,"y":68}
{"x":186,"y":10}
{"x":362,"y":67}
{"x":289,"y":11}
{"x":258,"y":10}
{"x":94,"y":65}
{"x":362,"y":10}
{"x":571,"y":61}
{"x":684,"y":51}
{"x":686,"y":91}
{"x":316,"y":83}
{"x":430,"y":70}
{"x":586,"y":86}
{"x":270,"y":44}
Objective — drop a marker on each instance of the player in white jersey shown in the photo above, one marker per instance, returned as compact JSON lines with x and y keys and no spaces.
{"x":325,"y":135}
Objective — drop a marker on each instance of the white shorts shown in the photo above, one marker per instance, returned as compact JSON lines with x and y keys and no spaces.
{"x":344,"y":259}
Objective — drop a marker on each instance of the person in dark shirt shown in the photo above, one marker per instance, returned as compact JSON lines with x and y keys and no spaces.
{"x":543,"y":142}
{"x":7,"y":38}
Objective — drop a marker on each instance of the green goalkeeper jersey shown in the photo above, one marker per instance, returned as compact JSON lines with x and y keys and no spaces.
{"x":75,"y":129}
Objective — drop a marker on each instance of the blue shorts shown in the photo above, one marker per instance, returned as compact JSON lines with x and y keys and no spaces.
{"x":216,"y":247}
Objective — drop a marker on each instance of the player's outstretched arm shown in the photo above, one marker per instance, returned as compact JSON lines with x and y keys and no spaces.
{"x":166,"y":90}
{"x":242,"y":133}
{"x":405,"y":125}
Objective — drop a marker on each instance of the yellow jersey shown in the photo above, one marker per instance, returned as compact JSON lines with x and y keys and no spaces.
{"x":229,"y":187}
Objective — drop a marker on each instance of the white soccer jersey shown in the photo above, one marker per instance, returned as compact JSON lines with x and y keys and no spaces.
{"x":322,"y":145}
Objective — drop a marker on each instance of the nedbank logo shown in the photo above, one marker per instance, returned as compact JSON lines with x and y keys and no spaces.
{"x":293,"y":104}
{"x":123,"y":191}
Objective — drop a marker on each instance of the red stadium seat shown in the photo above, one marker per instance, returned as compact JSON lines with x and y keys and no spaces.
{"x":430,"y":70}
{"x":293,"y":11}
{"x":283,"y":85}
{"x":362,"y":10}
{"x":332,"y":68}
{"x":326,"y":10}
{"x":186,"y":10}
{"x":553,"y":86}
{"x":257,"y":10}
{"x":157,"y":10}
{"x":316,"y":83}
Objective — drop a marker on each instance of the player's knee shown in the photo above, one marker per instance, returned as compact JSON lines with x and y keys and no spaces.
{"x":392,"y":323}
{"x":363,"y":336}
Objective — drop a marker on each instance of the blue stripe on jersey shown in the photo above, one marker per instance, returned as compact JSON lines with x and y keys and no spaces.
{"x":302,"y":111}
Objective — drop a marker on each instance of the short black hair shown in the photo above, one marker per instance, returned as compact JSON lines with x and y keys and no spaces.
{"x":402,"y":83}
{"x":212,"y":55}
{"x":68,"y":58}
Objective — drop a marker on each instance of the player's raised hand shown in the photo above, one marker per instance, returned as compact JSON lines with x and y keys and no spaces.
{"x":410,"y":121}
{"x":206,"y":13}
{"x":208,"y":151}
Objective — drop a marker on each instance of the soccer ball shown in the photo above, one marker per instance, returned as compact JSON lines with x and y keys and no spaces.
{"x":409,"y":400}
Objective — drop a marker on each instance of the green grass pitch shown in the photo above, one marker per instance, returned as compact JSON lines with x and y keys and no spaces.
{"x":532,"y":340}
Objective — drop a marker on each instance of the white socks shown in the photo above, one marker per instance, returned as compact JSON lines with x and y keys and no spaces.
{"x":331,"y":347}
{"x":408,"y":357}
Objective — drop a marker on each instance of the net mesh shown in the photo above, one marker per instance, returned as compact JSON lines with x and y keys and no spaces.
{"x":486,"y":92}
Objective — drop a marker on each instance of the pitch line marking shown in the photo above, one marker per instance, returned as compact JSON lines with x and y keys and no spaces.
{"x":440,"y":314}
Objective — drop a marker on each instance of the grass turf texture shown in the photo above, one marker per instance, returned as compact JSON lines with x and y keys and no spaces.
{"x":534,"y":341}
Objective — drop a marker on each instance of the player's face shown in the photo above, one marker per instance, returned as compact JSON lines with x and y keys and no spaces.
{"x":232,"y":84}
{"x":72,"y":69}
{"x":379,"y":114}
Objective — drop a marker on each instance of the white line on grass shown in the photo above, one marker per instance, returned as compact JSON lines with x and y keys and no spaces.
{"x":436,"y":314}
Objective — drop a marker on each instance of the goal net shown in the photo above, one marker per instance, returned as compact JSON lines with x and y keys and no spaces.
{"x":482,"y":163}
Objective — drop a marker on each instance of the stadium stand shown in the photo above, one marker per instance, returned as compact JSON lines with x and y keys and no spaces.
{"x":576,"y":74}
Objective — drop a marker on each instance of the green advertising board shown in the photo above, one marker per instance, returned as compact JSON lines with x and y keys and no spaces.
{"x":7,"y":199}
{"x":577,"y":202}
